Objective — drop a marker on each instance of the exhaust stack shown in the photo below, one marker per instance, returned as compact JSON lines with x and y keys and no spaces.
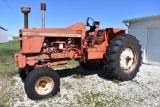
{"x":25,"y":10}
{"x":43,"y":8}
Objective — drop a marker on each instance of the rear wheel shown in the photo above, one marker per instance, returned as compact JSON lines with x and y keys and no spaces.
{"x":123,"y":58}
{"x":42,"y":83}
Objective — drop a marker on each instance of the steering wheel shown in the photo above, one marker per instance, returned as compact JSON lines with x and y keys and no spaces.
{"x":92,"y":27}
{"x":87,"y":21}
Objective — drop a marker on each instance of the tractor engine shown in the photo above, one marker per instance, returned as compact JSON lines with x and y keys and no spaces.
{"x":57,"y":45}
{"x":47,"y":47}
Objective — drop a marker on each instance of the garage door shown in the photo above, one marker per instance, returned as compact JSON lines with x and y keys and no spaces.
{"x":153,"y":45}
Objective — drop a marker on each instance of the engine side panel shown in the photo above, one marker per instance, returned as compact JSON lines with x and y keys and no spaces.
{"x":31,"y":44}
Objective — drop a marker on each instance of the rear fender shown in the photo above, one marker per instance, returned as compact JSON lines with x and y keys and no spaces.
{"x":112,"y":32}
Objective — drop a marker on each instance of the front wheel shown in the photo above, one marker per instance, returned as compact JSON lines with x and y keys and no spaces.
{"x":123,"y":58}
{"x":42,"y":83}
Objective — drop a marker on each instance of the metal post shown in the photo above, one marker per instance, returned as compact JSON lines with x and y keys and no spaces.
{"x":43,"y":8}
{"x":25,"y":20}
{"x":43,"y":19}
{"x":25,"y":10}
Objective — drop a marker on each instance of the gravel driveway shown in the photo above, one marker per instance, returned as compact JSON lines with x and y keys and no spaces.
{"x":90,"y":89}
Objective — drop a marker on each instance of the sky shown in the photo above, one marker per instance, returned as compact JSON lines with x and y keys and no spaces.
{"x":63,"y":13}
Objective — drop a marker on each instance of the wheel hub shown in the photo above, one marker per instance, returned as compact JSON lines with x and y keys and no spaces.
{"x":44,"y":85}
{"x":127,"y":58}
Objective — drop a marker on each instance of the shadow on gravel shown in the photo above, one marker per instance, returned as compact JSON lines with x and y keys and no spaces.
{"x":79,"y":72}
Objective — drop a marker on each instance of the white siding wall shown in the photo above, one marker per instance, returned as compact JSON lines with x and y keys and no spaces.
{"x":139,"y":29}
{"x":3,"y":36}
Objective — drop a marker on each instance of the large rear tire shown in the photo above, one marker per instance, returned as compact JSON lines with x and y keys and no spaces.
{"x":42,"y":83}
{"x":123,"y":58}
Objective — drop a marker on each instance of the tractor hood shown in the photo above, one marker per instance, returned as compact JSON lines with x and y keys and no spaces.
{"x":62,"y":32}
{"x":76,"y":30}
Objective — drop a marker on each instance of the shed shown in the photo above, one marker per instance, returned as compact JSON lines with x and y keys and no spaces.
{"x":147,"y":31}
{"x":10,"y":37}
{"x":3,"y":35}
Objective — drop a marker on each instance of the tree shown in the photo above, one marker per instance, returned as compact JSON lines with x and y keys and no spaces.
{"x":6,"y":2}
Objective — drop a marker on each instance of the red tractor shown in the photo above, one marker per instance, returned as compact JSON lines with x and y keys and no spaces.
{"x":110,"y":49}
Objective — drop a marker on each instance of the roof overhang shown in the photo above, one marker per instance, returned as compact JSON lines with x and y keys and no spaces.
{"x":3,"y":28}
{"x":142,"y":19}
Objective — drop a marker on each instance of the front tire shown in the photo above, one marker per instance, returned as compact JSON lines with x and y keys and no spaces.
{"x":42,"y":83}
{"x":123,"y":58}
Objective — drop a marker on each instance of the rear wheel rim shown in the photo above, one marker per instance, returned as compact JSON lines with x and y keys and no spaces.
{"x":44,"y":85}
{"x":128,"y":59}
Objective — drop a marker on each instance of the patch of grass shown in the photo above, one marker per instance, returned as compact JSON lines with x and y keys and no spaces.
{"x":66,"y":84}
{"x":7,"y":51}
{"x":99,"y":99}
{"x":5,"y":99}
{"x":71,"y":63}
{"x":16,"y":37}
{"x":91,"y":98}
{"x":58,"y":95}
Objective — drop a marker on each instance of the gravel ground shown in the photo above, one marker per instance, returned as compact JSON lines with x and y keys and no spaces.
{"x":90,"y":89}
{"x":2,"y":85}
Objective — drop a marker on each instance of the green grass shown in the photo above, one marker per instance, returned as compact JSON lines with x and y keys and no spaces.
{"x":91,"y":97}
{"x":7,"y":63}
{"x":7,"y":50}
{"x":16,"y":37}
{"x":71,"y":63}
